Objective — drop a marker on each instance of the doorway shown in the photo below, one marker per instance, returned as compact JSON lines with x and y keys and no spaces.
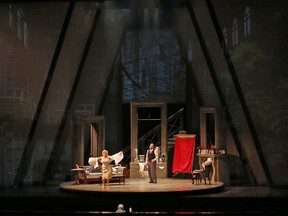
{"x":137,"y":109}
{"x":88,"y":138}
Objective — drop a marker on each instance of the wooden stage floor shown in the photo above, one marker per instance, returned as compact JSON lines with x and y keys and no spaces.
{"x":164,"y":185}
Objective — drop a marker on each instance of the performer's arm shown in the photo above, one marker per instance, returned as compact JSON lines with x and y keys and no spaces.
{"x":156,"y":155}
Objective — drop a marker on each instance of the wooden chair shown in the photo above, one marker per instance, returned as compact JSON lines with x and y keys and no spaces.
{"x":206,"y":173}
{"x":198,"y":175}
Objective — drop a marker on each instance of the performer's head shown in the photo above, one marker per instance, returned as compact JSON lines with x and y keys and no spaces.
{"x":157,"y":148}
{"x":105,"y":153}
{"x":151,"y":146}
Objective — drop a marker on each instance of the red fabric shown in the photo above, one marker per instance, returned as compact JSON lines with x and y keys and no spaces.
{"x":183,"y":155}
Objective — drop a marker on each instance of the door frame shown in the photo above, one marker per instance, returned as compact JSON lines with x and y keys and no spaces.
{"x":78,"y":137}
{"x":134,"y":105}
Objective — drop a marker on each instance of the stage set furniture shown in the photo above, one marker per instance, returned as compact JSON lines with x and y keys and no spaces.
{"x":140,"y":170}
{"x":87,"y":175}
{"x":211,"y":135}
{"x":198,"y":175}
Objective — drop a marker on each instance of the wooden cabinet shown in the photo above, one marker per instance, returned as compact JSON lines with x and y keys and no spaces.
{"x":137,"y":172}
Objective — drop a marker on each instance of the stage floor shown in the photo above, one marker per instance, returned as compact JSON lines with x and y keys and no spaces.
{"x":168,"y":196}
{"x":164,"y":185}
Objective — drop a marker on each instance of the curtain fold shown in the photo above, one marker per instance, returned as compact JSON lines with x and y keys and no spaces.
{"x":183,"y":154}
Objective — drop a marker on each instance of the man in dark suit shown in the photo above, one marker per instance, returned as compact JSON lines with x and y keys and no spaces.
{"x":151,"y":160}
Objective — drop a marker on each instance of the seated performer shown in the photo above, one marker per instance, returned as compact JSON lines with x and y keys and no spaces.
{"x":197,"y":174}
{"x":207,"y":162}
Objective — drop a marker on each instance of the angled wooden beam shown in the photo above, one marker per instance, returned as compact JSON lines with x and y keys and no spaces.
{"x":55,"y":153}
{"x":221,"y":96}
{"x":111,"y":74}
{"x":240,"y":94}
{"x":30,"y":144}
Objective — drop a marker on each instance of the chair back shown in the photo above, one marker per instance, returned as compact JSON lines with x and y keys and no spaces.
{"x":206,"y":172}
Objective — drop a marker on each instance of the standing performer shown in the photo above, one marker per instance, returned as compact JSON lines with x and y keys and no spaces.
{"x":151,"y":159}
{"x":106,"y":168}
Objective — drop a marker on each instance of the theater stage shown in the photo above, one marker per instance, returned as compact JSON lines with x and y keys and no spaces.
{"x":164,"y":185}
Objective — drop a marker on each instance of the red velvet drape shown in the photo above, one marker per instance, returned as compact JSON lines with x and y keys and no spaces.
{"x":183,"y":155}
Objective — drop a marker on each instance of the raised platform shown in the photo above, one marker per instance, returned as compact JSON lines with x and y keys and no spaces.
{"x":167,"y":185}
{"x":91,"y":200}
